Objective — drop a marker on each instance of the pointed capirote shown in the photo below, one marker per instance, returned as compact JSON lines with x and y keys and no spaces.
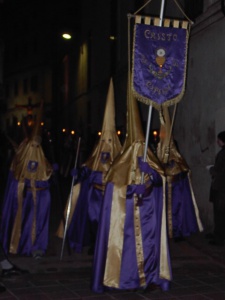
{"x":167,"y":150}
{"x":109,"y":144}
{"x":125,"y":169}
{"x":126,"y":215}
{"x":109,"y":114}
{"x":134,"y":130}
{"x":102,"y":156}
{"x":29,"y":160}
{"x":180,"y":194}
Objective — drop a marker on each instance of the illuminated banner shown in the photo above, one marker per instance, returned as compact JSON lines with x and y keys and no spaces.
{"x":159,"y":64}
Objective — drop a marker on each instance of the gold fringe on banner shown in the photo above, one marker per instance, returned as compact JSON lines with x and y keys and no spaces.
{"x":156,"y":21}
{"x":176,"y":23}
{"x":169,"y":207}
{"x":138,"y":19}
{"x":148,"y":20}
{"x":185,"y":24}
{"x":166,"y":23}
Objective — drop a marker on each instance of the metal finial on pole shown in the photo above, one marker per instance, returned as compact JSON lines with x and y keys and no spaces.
{"x":70,"y":200}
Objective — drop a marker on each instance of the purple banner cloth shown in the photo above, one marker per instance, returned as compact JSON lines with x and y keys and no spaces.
{"x":159,"y":64}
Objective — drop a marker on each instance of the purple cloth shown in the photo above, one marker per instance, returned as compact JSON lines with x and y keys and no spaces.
{"x":74,"y":172}
{"x":184,"y":220}
{"x":95,"y":198}
{"x":151,"y":216}
{"x":83,"y":227}
{"x":183,"y":213}
{"x":146,"y":168}
{"x":78,"y":230}
{"x":102,"y":242}
{"x":55,"y":167}
{"x":9,"y":209}
{"x":10,"y":206}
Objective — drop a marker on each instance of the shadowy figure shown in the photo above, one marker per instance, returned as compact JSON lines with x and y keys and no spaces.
{"x":217,"y":193}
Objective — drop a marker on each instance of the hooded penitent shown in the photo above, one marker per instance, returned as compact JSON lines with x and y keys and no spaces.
{"x":182,"y":210}
{"x":25,"y":216}
{"x":131,"y":248}
{"x":87,"y":194}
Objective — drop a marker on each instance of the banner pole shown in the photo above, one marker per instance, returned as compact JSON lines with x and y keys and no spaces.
{"x":70,"y":200}
{"x":150,"y":106}
{"x":161,"y":13}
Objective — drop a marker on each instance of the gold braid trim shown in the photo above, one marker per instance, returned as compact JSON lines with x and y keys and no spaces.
{"x":116,"y":236}
{"x":16,"y":231}
{"x":34,"y":222}
{"x":164,"y":269}
{"x":169,"y":207}
{"x":138,"y":241}
{"x":157,"y":106}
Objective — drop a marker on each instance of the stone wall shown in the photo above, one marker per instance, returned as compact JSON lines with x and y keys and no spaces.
{"x":200,"y":114}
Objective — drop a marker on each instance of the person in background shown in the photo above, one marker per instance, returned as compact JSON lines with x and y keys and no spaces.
{"x":86,"y":195}
{"x":26,"y":206}
{"x":182,"y":209}
{"x":24,"y":227}
{"x":217,"y":193}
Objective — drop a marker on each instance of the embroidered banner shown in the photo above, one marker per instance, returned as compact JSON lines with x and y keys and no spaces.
{"x":159,"y":64}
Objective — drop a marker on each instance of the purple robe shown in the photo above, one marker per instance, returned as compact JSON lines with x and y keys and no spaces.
{"x":84,"y":223}
{"x":184,"y":214}
{"x":133,"y":271}
{"x":31,"y":216}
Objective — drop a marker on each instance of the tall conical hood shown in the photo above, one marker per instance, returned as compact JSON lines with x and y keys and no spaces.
{"x":167,"y":151}
{"x":134,"y":127}
{"x":125,"y":169}
{"x":29,"y":161}
{"x":109,"y":114}
{"x":109,"y":144}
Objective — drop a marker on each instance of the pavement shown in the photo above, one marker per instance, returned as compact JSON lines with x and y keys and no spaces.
{"x":198,"y":272}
